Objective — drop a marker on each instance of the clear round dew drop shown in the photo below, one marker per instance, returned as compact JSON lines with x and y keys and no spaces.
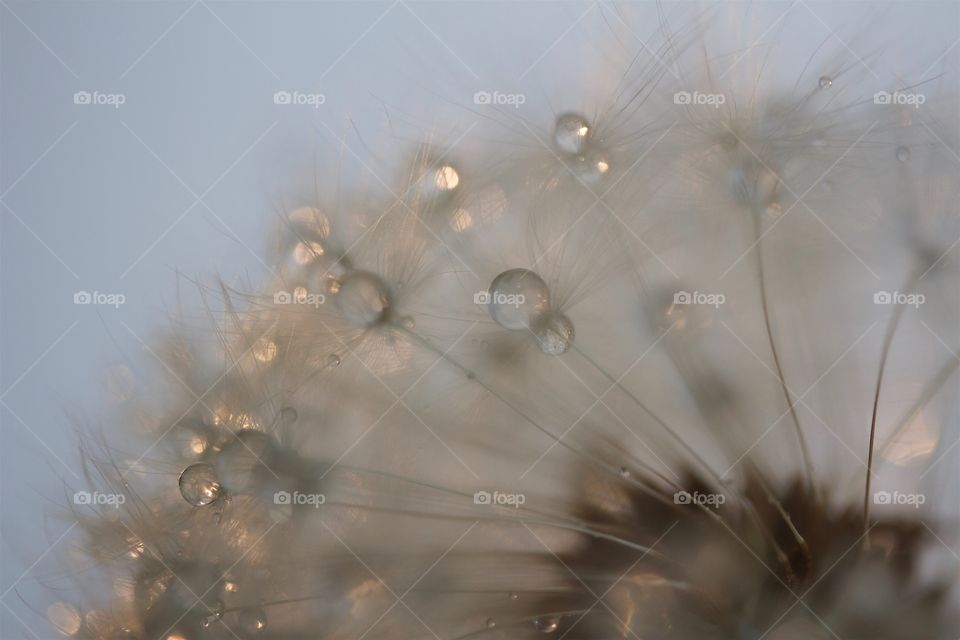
{"x":333,"y":360}
{"x":571,"y":134}
{"x":546,"y":624}
{"x":199,"y":484}
{"x":491,"y":623}
{"x":555,"y":333}
{"x":826,"y":82}
{"x":252,"y":620}
{"x":288,"y":415}
{"x":517,"y":298}
{"x":363,"y":299}
{"x":903,"y":154}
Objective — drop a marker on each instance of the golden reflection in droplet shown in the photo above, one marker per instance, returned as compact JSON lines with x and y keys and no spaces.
{"x":461,"y":220}
{"x":603,"y":166}
{"x":446,"y":178}
{"x":64,"y":617}
{"x":198,"y":444}
{"x":307,"y":252}
{"x":265,"y":350}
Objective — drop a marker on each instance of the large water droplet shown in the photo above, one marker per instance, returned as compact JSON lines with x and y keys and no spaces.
{"x":199,"y":484}
{"x":826,"y":82}
{"x":252,"y":620}
{"x":903,"y":154}
{"x":516,"y":298}
{"x":363,"y":299}
{"x":546,"y":624}
{"x":554,"y":332}
{"x":571,"y":134}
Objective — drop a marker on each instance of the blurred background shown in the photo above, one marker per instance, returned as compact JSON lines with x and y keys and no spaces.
{"x":147,"y":144}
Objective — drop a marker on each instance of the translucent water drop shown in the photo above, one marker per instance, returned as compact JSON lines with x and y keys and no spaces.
{"x":516,"y":298}
{"x":446,"y":178}
{"x":554,"y":332}
{"x":253,"y":620}
{"x":363,"y":299}
{"x":288,"y":415}
{"x":903,"y":154}
{"x":591,"y":167}
{"x":333,"y":360}
{"x":199,"y":484}
{"x":826,"y":82}
{"x":514,"y":595}
{"x":408,"y":322}
{"x":546,"y":624}
{"x":571,"y":134}
{"x":491,"y":623}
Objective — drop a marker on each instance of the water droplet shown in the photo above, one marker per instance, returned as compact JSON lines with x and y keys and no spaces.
{"x":265,"y":350}
{"x":903,"y":154}
{"x":333,"y":360}
{"x":514,"y":595}
{"x":363,"y":299}
{"x":571,"y":134}
{"x":826,"y":82}
{"x":253,"y":620}
{"x":591,"y":167}
{"x":516,"y":298}
{"x":288,"y":415}
{"x":408,"y":322}
{"x":199,"y":484}
{"x":446,"y":178}
{"x":546,"y":624}
{"x":554,"y":332}
{"x":491,"y":623}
